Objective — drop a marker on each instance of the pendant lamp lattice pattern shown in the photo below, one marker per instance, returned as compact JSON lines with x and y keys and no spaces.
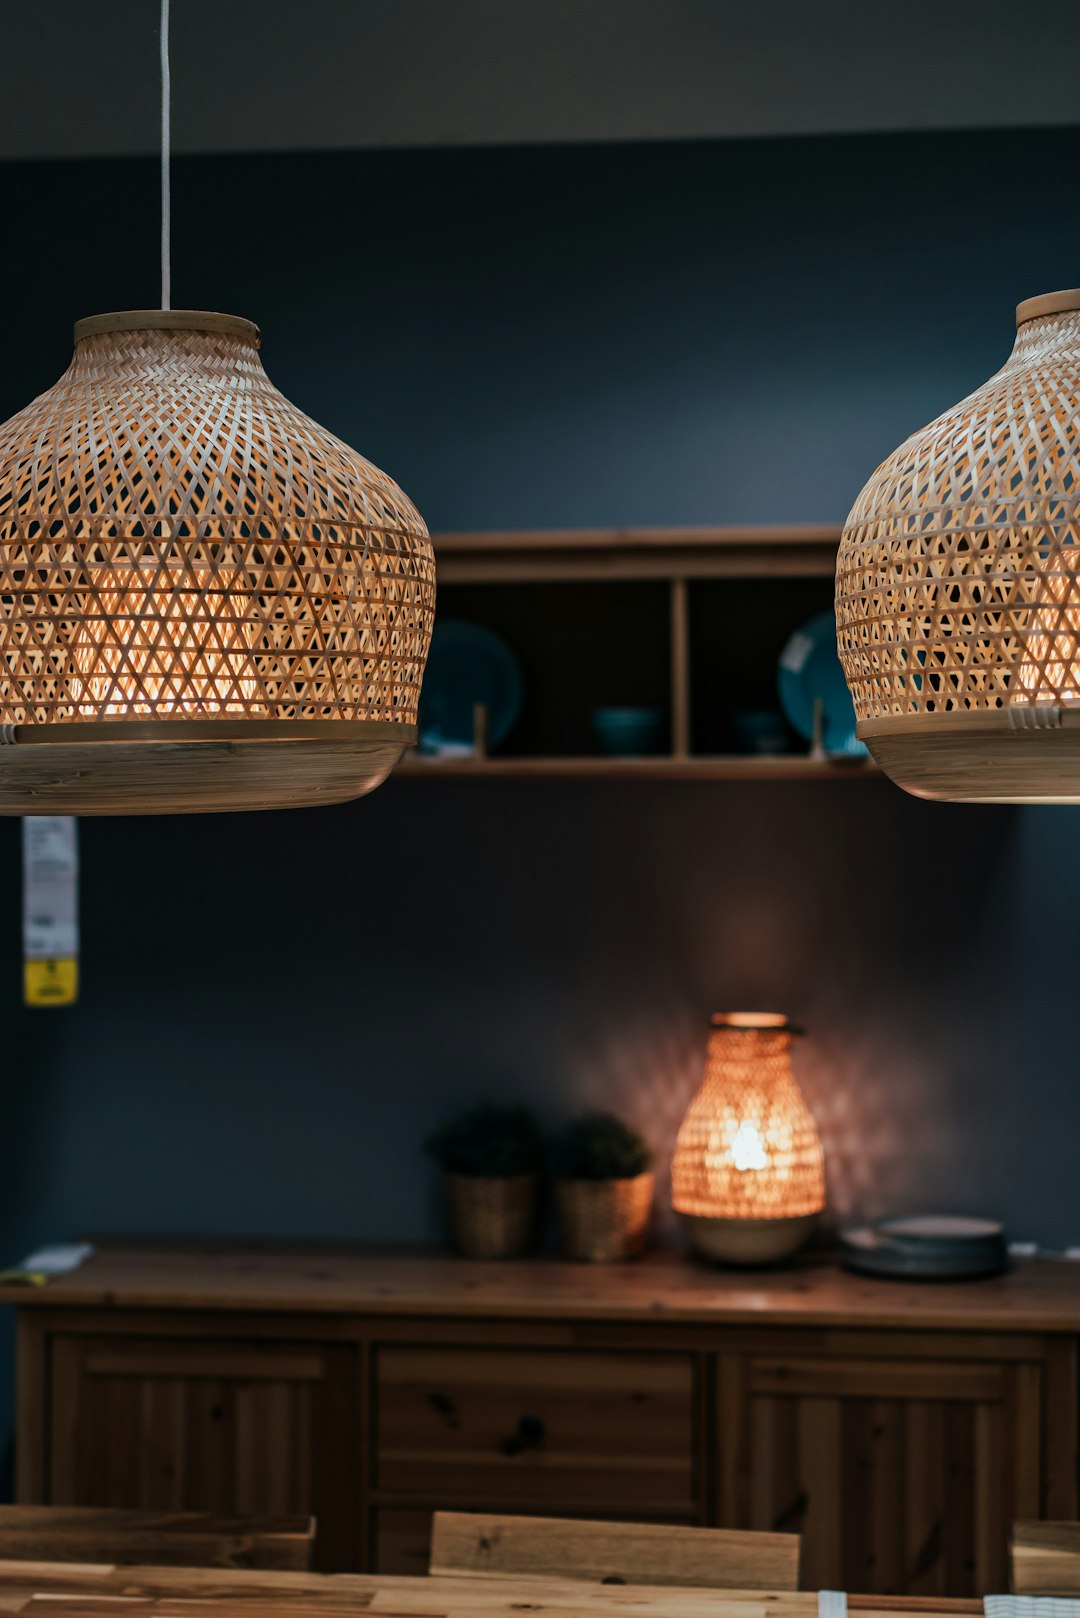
{"x":179,"y":542}
{"x":958,"y":577}
{"x":748,"y":1147}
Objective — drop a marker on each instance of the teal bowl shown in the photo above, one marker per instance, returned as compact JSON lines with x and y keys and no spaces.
{"x":628,"y":732}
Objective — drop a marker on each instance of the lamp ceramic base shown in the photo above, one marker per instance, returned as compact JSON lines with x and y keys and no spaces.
{"x":747,"y":1241}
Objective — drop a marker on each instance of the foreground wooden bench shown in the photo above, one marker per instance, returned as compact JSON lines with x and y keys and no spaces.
{"x":1044,"y":1558}
{"x":613,"y":1552}
{"x":165,"y":1539}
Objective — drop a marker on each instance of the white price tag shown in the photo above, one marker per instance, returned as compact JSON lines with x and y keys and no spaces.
{"x":50,"y":910}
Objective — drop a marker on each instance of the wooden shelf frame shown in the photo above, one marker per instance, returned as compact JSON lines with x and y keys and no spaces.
{"x":566,"y":554}
{"x":658,"y":767}
{"x":677,"y":556}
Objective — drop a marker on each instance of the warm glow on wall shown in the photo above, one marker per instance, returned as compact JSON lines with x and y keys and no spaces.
{"x":748,"y":1175}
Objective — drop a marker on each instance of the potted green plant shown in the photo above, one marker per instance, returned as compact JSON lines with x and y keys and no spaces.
{"x":491,"y":1158}
{"x":603,"y":1188}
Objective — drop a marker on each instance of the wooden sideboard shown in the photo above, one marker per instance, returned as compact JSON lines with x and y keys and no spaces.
{"x":900,"y":1428}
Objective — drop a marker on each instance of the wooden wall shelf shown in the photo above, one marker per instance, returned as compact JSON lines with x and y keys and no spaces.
{"x":524,"y":556}
{"x":738,"y":767}
{"x":679,"y":558}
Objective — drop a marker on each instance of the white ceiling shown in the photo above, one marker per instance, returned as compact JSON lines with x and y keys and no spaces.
{"x":80,"y":77}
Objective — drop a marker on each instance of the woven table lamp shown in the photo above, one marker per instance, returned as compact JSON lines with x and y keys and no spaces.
{"x":958,"y":584}
{"x":748,"y":1174}
{"x":206,"y":600}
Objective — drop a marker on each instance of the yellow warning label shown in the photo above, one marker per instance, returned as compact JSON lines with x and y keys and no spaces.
{"x":51,"y":983}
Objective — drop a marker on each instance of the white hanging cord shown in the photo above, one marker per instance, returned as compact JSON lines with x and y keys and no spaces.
{"x":166,"y":187}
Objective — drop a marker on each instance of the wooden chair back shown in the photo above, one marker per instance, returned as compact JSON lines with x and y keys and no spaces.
{"x":1044,"y":1558}
{"x":166,"y":1539}
{"x":613,"y":1552}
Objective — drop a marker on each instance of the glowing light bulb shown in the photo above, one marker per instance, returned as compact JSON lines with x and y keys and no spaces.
{"x":152,"y":649}
{"x":748,"y":1148}
{"x":1050,"y":669}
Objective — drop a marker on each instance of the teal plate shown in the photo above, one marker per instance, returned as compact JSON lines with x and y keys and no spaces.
{"x":810,"y":668}
{"x":468,"y":664}
{"x":872,"y":1253}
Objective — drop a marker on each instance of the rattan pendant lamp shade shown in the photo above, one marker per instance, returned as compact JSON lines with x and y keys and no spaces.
{"x":206,"y":600}
{"x":958,"y":584}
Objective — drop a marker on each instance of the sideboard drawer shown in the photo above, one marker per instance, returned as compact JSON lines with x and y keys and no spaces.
{"x":550,"y":1428}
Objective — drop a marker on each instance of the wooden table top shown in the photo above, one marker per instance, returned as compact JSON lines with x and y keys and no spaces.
{"x":1034,"y":1296}
{"x":50,"y":1590}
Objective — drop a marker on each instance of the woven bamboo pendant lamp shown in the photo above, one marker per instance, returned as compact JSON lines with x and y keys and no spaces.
{"x":958,"y":584}
{"x":748,"y":1174}
{"x":207,"y":601}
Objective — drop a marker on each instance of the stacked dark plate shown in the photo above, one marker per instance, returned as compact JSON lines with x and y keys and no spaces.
{"x":927,"y":1247}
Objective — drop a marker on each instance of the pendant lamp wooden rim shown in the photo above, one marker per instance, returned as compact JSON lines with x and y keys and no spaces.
{"x":1047,"y":303}
{"x":981,"y":757}
{"x":1015,"y":721}
{"x":166,"y":320}
{"x":106,"y":732}
{"x":181,"y":776}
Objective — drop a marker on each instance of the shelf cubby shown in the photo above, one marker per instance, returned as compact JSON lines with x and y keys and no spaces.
{"x":690,"y":620}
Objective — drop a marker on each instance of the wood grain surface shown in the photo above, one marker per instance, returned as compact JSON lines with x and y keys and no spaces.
{"x":85,"y":1534}
{"x":1033,"y":1296}
{"x":49,"y":1591}
{"x":486,"y":1546}
{"x":1045,"y":1558}
{"x":899,"y":1429}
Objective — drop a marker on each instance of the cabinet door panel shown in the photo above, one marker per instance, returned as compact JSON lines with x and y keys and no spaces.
{"x":902,"y":1477}
{"x":231,"y":1428}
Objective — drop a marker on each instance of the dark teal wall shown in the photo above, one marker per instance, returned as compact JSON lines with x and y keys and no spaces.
{"x":276,"y":1008}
